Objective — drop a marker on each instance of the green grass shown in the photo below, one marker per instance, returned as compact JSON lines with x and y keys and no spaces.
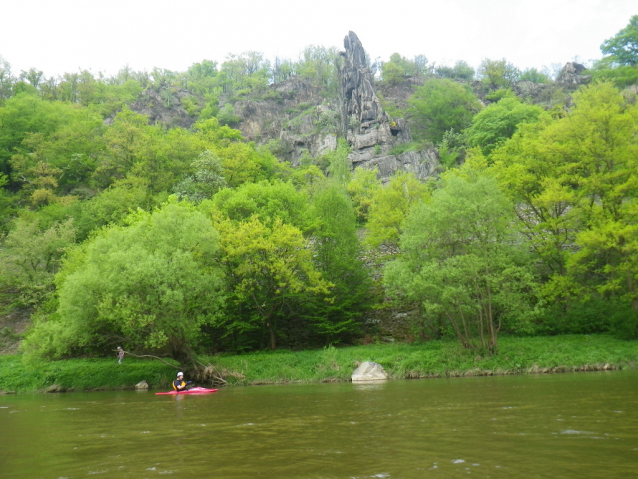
{"x":432,"y":359}
{"x":81,"y":374}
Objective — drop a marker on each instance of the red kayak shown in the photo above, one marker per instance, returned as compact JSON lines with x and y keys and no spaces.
{"x":196,"y":390}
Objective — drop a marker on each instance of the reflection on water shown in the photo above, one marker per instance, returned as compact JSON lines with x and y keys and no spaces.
{"x":568,"y":426}
{"x":369,"y":385}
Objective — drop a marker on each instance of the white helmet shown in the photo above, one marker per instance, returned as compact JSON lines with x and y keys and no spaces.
{"x":180,"y":374}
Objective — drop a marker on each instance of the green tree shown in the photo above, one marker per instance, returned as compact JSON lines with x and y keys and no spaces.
{"x":599,"y":143}
{"x":498,"y":73}
{"x":622,"y":48}
{"x":318,"y":65}
{"x":460,"y":71}
{"x":622,"y":76}
{"x":441,"y":105}
{"x":30,"y":256}
{"x":498,"y":122}
{"x":110,"y":97}
{"x":151,"y":285}
{"x":282,"y":70}
{"x":390,"y":206}
{"x":202,"y":77}
{"x":268,"y":267}
{"x":267,"y":201}
{"x":244,"y":73}
{"x":111,"y":206}
{"x":61,"y":125}
{"x":461,"y":260}
{"x":576,"y":184}
{"x":6,"y":204}
{"x":339,"y":166}
{"x":399,"y":68}
{"x":362,"y":188}
{"x":545,"y":202}
{"x":6,"y":80}
{"x":128,"y":141}
{"x":71,"y":148}
{"x":533,"y":75}
{"x":242,"y":162}
{"x":337,"y":254}
{"x":620,"y":63}
{"x":33,"y":76}
{"x":205,"y":181}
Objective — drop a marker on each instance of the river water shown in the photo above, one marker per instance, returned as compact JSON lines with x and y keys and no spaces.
{"x":579,"y":425}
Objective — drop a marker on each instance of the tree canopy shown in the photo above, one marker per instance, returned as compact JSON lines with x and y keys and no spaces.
{"x":498,"y":122}
{"x":622,"y":48}
{"x":151,"y":285}
{"x":441,"y":105}
{"x":460,"y":259}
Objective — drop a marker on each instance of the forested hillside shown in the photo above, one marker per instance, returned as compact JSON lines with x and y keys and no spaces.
{"x":332,"y":199}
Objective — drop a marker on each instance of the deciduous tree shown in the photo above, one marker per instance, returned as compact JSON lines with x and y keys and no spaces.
{"x":268,"y":266}
{"x":337,"y":254}
{"x":150,"y":285}
{"x":461,"y":259}
{"x":498,"y":122}
{"x":441,"y":105}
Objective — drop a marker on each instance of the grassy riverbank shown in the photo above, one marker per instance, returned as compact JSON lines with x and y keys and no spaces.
{"x":432,"y":359}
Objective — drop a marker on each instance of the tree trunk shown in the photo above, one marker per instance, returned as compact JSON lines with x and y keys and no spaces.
{"x":273,"y":342}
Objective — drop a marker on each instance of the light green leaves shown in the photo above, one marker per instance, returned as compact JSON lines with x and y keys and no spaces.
{"x":150,"y":285}
{"x":461,"y":259}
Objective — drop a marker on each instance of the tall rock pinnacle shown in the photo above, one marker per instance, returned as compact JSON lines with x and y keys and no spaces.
{"x":368,"y":129}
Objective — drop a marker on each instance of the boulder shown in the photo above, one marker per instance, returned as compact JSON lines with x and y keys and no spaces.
{"x":369,"y":371}
{"x":55,"y":388}
{"x":142,"y":385}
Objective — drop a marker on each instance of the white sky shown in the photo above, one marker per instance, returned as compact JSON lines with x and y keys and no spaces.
{"x":58,"y":36}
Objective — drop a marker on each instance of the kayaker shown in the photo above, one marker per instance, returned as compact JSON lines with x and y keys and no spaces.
{"x":179,"y":384}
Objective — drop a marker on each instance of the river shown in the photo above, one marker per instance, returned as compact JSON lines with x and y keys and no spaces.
{"x":578,"y":425}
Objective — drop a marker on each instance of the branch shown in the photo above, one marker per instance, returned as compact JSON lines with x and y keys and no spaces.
{"x":151,"y":356}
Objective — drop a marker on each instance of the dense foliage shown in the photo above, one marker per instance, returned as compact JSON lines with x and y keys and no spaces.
{"x":181,"y":240}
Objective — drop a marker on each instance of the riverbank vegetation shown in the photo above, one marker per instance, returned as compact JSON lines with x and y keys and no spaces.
{"x":185,"y":241}
{"x":434,"y":359}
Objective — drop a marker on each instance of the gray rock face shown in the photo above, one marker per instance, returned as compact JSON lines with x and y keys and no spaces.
{"x":370,"y":132}
{"x":163,"y":106}
{"x":360,"y":108}
{"x":572,"y":75}
{"x":369,"y":371}
{"x":294,"y":115}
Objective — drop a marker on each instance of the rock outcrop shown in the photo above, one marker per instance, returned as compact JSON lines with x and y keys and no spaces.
{"x":571,"y":76}
{"x":301,"y":121}
{"x":370,"y":132}
{"x":369,"y":371}
{"x":294,"y":114}
{"x":164,"y":105}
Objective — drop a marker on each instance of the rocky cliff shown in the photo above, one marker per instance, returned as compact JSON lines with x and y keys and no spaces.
{"x":297,"y":119}
{"x":370,"y":132}
{"x":294,"y":115}
{"x":302,"y":121}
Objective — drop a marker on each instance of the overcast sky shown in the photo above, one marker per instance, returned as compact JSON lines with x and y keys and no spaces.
{"x":58,"y":36}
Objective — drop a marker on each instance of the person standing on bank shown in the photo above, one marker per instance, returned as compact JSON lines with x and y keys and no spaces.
{"x":179,"y":384}
{"x":120,"y":354}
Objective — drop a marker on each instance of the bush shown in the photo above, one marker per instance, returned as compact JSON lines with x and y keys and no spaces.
{"x":623,"y":324}
{"x":583,"y":317}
